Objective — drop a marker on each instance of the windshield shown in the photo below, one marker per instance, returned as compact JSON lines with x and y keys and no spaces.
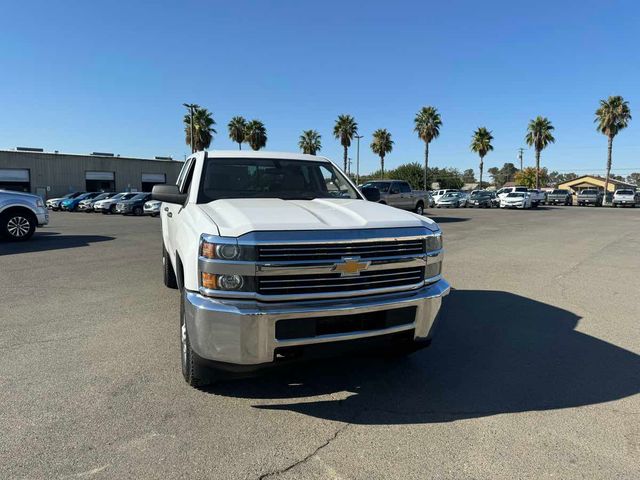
{"x":589,"y":192}
{"x":559,"y":191}
{"x":102,"y":196}
{"x":625,"y":192}
{"x":450,"y":195}
{"x":382,"y":186}
{"x":480,"y":195}
{"x":516,"y":194}
{"x":272,"y":178}
{"x":139,"y":196}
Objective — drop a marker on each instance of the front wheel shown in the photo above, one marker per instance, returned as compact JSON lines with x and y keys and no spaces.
{"x":419,"y":208}
{"x":137,"y":211}
{"x":194,"y":372}
{"x":17,"y":226}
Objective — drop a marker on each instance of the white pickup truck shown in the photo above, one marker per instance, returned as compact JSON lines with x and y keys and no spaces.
{"x":279,"y":256}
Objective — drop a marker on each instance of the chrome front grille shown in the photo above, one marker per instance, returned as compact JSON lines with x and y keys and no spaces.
{"x":321,"y":283}
{"x":336,"y":251}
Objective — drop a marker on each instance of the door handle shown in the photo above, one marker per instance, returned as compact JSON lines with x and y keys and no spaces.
{"x":169,"y":214}
{"x":166,"y":209}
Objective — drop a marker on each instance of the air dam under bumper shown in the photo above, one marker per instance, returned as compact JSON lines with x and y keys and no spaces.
{"x":244,"y":332}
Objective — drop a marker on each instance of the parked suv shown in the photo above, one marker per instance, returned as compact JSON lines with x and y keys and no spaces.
{"x":87,"y":205}
{"x":624,"y":198}
{"x":279,"y":257}
{"x":109,"y":205}
{"x":71,"y":204}
{"x":54,"y":203}
{"x":20,"y":214}
{"x":133,"y":205}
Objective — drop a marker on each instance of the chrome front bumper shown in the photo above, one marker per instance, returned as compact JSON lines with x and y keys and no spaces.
{"x":243,"y":332}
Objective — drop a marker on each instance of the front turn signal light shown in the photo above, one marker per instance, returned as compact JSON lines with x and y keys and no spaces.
{"x":209,"y":281}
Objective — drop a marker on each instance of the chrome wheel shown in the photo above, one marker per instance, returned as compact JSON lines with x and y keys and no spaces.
{"x":18,"y":226}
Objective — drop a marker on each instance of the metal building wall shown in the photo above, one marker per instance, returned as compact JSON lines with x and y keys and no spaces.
{"x":64,"y":173}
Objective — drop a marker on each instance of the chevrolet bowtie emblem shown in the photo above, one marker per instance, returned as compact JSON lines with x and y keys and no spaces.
{"x":350,"y":267}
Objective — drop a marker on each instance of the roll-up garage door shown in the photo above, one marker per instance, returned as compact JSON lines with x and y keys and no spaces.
{"x":15,"y":179}
{"x":100,"y":181}
{"x":154,"y":178}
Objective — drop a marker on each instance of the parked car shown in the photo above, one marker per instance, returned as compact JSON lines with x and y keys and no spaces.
{"x":71,"y":204}
{"x":228,"y":244}
{"x":480,"y":199}
{"x":560,"y":196}
{"x":538,"y":197}
{"x":438,"y":194}
{"x":87,"y":204}
{"x":450,"y":200}
{"x":133,"y":205}
{"x":20,"y":214}
{"x":464,"y":198}
{"x":152,"y":207}
{"x":54,"y":203}
{"x":590,"y":197}
{"x":495,"y":200}
{"x":624,"y":197}
{"x":398,"y":193}
{"x":430,"y":201}
{"x":504,"y":191}
{"x":109,"y":205}
{"x":516,"y":200}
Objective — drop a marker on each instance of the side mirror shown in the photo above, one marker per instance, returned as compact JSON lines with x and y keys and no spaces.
{"x":372,"y":194}
{"x":168,"y":194}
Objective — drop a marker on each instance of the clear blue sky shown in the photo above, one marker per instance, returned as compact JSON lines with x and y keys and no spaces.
{"x":111,"y":76}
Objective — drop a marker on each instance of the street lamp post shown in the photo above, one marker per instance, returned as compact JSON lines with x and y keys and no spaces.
{"x":191,"y":107}
{"x":358,"y":137}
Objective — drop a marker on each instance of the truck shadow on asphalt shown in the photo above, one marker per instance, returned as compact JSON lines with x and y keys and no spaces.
{"x":495,"y":352}
{"x":44,"y":241}
{"x":438,"y":219}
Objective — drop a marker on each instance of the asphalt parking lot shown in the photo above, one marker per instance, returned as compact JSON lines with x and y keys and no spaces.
{"x":535,"y":372}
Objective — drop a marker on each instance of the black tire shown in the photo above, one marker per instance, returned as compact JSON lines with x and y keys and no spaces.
{"x":112,"y":209}
{"x":419,"y":208}
{"x":17,"y":225}
{"x":137,"y":211}
{"x":195,"y":373}
{"x":169,"y":274}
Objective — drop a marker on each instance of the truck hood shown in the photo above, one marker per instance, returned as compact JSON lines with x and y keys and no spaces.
{"x":235,"y":217}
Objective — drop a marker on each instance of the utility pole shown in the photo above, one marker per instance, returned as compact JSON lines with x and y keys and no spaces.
{"x":191,"y":107}
{"x":358,"y":137}
{"x":520,"y":152}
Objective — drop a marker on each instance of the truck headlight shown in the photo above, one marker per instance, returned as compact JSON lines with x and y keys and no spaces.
{"x":225,"y":251}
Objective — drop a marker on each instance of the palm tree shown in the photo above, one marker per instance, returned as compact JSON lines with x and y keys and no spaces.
{"x":539,"y":136}
{"x":427,"y":126}
{"x":613,"y":115}
{"x":310,"y":142}
{"x":381,"y":145}
{"x":481,"y":144}
{"x":256,"y":134}
{"x":203,"y":130}
{"x":237,"y":127}
{"x":344,"y":130}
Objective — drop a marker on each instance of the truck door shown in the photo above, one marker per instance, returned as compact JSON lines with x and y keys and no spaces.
{"x":406,"y":197}
{"x":169,"y":212}
{"x":393,"y":198}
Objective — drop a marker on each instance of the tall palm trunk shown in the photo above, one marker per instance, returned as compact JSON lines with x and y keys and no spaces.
{"x":426,"y":165}
{"x":481,"y":167}
{"x":537,"y":169}
{"x":606,"y":180}
{"x":239,"y":145}
{"x":382,"y":165}
{"x":345,"y":159}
